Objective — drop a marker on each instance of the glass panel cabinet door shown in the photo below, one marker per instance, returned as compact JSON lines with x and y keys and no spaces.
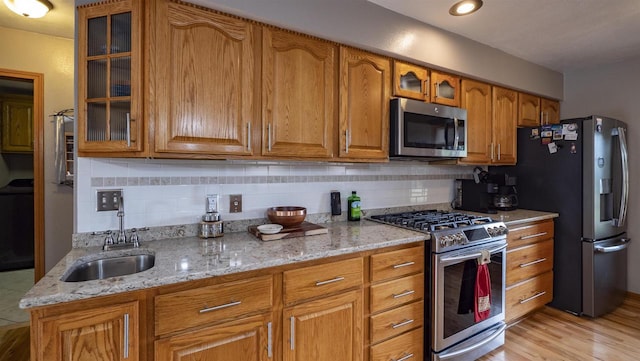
{"x":410,"y":81}
{"x":110,"y":74}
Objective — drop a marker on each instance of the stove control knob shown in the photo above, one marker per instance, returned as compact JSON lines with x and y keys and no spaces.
{"x":458,"y":238}
{"x":443,"y":241}
{"x":503,"y":230}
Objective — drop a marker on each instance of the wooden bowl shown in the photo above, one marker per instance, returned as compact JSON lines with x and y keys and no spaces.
{"x":287,"y":216}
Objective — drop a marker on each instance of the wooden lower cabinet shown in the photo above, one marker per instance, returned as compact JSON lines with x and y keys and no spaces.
{"x":404,"y":347}
{"x":107,"y":333}
{"x":529,"y":280}
{"x":529,"y":295}
{"x":320,"y":311}
{"x":327,"y":329}
{"x":249,"y":339}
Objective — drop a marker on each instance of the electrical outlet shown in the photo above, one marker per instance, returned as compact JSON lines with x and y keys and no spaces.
{"x":235,"y":203}
{"x":108,"y":199}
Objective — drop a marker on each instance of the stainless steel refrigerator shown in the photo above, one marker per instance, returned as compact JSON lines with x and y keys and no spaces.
{"x":579,"y":169}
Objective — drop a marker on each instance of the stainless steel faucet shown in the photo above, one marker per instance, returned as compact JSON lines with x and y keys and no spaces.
{"x":121,"y":240}
{"x":122,"y":236}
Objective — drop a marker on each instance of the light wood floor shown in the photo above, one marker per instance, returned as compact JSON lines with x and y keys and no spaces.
{"x":14,"y":342}
{"x":551,"y":334}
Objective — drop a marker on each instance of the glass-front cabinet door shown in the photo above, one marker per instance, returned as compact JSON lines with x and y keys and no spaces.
{"x":109,"y":78}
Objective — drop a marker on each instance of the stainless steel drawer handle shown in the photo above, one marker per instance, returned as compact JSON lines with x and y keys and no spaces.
{"x":405,"y":293}
{"x":533,"y":297}
{"x":523,"y":265}
{"x":322,"y":283}
{"x":403,"y":358}
{"x":126,"y":335}
{"x":533,"y":235}
{"x":214,"y":308}
{"x":406,"y":264}
{"x":269,"y":340}
{"x":401,"y":324}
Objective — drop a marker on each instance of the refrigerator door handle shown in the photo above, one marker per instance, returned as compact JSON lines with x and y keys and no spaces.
{"x":624,"y":197}
{"x":624,"y":243}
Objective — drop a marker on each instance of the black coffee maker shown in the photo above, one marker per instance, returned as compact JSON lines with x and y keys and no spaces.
{"x":486,"y":193}
{"x":506,"y":199}
{"x":475,"y":197}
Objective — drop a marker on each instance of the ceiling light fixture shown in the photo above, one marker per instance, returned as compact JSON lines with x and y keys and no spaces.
{"x":464,"y":7}
{"x":29,"y":8}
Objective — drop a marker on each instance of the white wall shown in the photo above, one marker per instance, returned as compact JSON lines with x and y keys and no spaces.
{"x":53,"y":57}
{"x":170,"y":192}
{"x":613,"y":91}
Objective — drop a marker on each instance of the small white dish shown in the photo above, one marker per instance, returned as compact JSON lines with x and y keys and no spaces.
{"x":269,"y":228}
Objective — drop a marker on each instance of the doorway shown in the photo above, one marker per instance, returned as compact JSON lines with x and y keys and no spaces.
{"x":22,"y":145}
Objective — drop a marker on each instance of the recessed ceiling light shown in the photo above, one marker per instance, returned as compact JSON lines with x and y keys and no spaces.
{"x":29,"y":8}
{"x":465,"y":7}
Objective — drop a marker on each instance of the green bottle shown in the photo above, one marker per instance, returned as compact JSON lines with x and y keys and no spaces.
{"x":353,"y":204}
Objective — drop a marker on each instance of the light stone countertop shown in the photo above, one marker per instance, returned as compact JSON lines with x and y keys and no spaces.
{"x":182,"y":259}
{"x":517,"y":216}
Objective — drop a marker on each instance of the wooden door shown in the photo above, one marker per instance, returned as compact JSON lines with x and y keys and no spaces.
{"x":476,"y":99}
{"x":446,"y":89}
{"x":505,"y":113}
{"x":17,"y":126}
{"x":410,"y":81}
{"x":205,"y":92}
{"x":247,"y":340}
{"x":298,"y":92}
{"x":550,"y":110}
{"x":529,"y":110}
{"x":105,"y":333}
{"x":328,"y":329}
{"x":365,"y":80}
{"x":110,"y":76}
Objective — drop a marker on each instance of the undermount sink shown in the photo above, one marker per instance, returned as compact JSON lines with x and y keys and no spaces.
{"x":106,"y":267}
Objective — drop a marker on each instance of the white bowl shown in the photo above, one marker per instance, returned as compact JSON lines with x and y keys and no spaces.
{"x":269,"y":228}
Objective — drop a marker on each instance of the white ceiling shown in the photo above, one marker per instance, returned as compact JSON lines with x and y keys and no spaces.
{"x":559,"y":34}
{"x":562,"y":35}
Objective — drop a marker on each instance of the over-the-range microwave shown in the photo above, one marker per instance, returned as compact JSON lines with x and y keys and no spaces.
{"x":426,"y":130}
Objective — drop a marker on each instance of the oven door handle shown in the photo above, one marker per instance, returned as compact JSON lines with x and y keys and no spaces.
{"x":469,"y":256}
{"x":456,"y":353}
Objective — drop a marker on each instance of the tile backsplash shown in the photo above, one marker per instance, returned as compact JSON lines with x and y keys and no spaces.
{"x":171,"y":192}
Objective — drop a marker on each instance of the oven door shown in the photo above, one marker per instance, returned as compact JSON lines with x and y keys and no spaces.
{"x":453,"y":286}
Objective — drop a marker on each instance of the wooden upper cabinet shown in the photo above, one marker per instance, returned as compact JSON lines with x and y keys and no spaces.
{"x":110,"y":79}
{"x":476,"y":99}
{"x":107,"y":333}
{"x":550,"y":111}
{"x":505,"y":113}
{"x":446,"y":89}
{"x":410,"y":81}
{"x":529,"y":110}
{"x":298,"y":95}
{"x":365,"y":82}
{"x":17,"y":125}
{"x":205,"y":86}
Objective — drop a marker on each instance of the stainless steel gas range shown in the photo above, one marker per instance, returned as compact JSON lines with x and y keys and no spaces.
{"x":458,"y":241}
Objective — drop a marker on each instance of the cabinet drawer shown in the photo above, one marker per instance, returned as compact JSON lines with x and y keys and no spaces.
{"x":529,"y":295}
{"x":530,"y":233}
{"x":397,"y":263}
{"x":397,"y":292}
{"x":528,"y":261}
{"x":185,"y":309}
{"x":404,"y":347}
{"x":320,"y":280}
{"x":396,"y":321}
